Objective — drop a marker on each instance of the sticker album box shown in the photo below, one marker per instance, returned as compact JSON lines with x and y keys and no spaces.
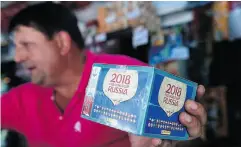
{"x":141,"y":100}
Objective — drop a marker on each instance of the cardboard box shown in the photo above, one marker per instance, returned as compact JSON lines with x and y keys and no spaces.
{"x":141,"y":100}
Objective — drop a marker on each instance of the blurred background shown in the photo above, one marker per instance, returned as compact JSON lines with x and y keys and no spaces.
{"x":200,"y":41}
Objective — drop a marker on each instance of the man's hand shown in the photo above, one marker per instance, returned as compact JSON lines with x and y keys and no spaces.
{"x":194,"y":119}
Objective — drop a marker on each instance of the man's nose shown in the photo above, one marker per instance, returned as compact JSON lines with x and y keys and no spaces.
{"x":20,"y":56}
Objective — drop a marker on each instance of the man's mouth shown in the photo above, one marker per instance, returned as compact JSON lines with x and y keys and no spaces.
{"x":31,"y":69}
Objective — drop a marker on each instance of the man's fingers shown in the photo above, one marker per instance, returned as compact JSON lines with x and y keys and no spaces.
{"x":200,"y":91}
{"x":163,"y":143}
{"x":156,"y":142}
{"x":195,"y":117}
{"x":197,"y":110}
{"x":193,"y":125}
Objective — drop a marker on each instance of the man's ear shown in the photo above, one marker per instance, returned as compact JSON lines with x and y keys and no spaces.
{"x":63,"y":40}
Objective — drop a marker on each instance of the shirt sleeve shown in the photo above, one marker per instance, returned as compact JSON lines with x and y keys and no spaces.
{"x":11,"y":110}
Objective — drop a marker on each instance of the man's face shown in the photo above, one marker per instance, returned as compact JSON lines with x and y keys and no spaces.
{"x":39,"y":55}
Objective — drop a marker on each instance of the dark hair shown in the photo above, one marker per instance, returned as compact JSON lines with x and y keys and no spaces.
{"x":49,"y":18}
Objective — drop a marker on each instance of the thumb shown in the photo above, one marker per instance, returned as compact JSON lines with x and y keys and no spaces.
{"x":156,"y":142}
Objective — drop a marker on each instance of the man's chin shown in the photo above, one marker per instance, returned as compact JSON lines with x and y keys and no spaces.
{"x":41,"y":83}
{"x":37,"y":81}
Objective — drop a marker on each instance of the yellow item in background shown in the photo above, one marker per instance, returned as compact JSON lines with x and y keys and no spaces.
{"x":220,"y":20}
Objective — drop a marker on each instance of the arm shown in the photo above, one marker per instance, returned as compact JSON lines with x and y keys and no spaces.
{"x":11,"y":110}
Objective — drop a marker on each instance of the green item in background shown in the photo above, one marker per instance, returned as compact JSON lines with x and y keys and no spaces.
{"x":4,"y":84}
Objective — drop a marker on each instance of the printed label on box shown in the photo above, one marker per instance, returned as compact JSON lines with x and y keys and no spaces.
{"x":120,"y":85}
{"x":172,"y":94}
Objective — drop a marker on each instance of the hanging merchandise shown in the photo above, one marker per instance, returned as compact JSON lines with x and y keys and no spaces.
{"x":100,"y":44}
{"x":4,"y":83}
{"x":4,"y":46}
{"x":100,"y":37}
{"x":168,"y":7}
{"x":7,"y":52}
{"x":4,"y":39}
{"x":120,"y":15}
{"x":158,"y":39}
{"x":220,"y":20}
{"x":173,"y":49}
{"x":112,"y":17}
{"x":234,"y":20}
{"x":140,"y":37}
{"x":7,"y":48}
{"x":133,"y":14}
{"x":177,"y":18}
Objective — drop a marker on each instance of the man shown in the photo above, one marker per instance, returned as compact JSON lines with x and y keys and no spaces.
{"x":47,"y":110}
